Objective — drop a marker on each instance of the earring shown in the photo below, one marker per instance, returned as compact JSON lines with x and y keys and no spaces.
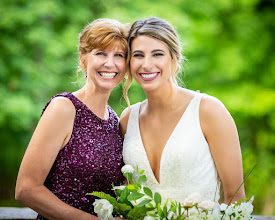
{"x":124,"y":79}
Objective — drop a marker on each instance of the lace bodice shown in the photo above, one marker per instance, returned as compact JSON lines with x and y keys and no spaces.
{"x":186,"y":164}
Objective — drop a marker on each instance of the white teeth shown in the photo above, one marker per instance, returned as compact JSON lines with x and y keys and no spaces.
{"x":108,"y":75}
{"x":147,"y":76}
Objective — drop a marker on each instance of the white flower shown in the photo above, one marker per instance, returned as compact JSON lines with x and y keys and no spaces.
{"x":216,"y":210}
{"x":223,"y":206}
{"x":127,"y":169}
{"x":104,"y":209}
{"x":206,"y":205}
{"x":193,"y":211}
{"x":191,"y":200}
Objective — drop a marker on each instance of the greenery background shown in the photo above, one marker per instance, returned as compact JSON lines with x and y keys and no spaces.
{"x":229,"y":45}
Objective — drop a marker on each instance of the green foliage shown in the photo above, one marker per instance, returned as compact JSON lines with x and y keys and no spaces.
{"x":229,"y":45}
{"x":131,"y":202}
{"x":38,"y":59}
{"x":103,"y":195}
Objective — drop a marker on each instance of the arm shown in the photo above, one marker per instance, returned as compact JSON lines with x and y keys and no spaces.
{"x":222,"y":136}
{"x":51,"y":134}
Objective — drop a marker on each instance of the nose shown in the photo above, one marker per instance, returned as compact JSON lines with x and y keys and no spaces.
{"x":110,"y":62}
{"x":147,"y":63}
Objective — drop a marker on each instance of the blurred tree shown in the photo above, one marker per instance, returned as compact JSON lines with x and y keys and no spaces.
{"x":38,"y":41}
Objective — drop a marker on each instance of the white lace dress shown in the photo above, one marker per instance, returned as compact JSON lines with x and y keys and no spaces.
{"x":186,"y":164}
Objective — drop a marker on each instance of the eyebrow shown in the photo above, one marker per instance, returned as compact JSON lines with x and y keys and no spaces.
{"x":153,"y":51}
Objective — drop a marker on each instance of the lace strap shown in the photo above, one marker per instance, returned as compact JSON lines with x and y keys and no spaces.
{"x":195,"y":105}
{"x":133,"y":117}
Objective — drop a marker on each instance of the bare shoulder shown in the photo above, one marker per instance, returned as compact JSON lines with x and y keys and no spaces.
{"x":61,"y":105}
{"x":214,"y":117}
{"x":124,"y":117}
{"x":212,"y":107}
{"x":60,"y":111}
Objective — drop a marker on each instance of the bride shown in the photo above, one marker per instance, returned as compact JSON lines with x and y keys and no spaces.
{"x":185,"y":141}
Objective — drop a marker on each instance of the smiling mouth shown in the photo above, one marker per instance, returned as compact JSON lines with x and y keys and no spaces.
{"x":107,"y":75}
{"x":149,"y":76}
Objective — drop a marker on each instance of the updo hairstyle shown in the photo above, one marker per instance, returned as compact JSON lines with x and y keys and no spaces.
{"x":161,"y":30}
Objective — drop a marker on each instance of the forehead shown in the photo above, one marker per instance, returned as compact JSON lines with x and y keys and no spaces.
{"x":116,"y":45}
{"x":145,"y":43}
{"x":115,"y":48}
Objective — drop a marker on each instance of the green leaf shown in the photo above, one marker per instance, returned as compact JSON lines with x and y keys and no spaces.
{"x":130,"y":186}
{"x":103,"y":195}
{"x":138,"y":185}
{"x":159,"y":210}
{"x":148,"y":192}
{"x":135,"y":196}
{"x":118,"y":192}
{"x":157,"y":198}
{"x":144,"y":202}
{"x":142,"y":179}
{"x":240,"y":201}
{"x":124,"y":207}
{"x":141,"y":172}
{"x":179,"y":209}
{"x":164,"y":211}
{"x":137,"y":213}
{"x":123,"y":196}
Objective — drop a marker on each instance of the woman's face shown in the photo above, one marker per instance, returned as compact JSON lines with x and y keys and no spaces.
{"x":151,"y":63}
{"x":105,"y":67}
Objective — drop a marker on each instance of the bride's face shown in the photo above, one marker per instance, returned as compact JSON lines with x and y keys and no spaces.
{"x":151,"y":62}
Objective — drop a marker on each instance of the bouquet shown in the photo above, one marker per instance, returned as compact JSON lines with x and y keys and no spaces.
{"x":135,"y":202}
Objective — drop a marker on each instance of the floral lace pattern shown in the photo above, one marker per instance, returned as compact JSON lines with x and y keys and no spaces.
{"x":186,"y":164}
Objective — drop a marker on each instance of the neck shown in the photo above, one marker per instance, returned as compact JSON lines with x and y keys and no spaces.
{"x":162,"y":99}
{"x":94,"y":99}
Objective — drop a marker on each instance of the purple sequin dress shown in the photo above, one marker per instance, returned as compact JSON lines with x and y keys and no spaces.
{"x":91,"y":160}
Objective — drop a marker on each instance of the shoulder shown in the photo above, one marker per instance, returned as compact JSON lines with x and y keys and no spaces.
{"x":214,"y":117}
{"x":60,"y":107}
{"x":211,"y":106}
{"x":123,"y":121}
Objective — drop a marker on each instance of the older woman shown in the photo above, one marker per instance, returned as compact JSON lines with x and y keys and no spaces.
{"x":76,"y":147}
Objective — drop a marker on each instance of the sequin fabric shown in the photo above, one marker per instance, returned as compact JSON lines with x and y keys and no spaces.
{"x":91,"y":160}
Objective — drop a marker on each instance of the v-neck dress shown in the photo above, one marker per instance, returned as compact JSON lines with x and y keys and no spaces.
{"x":90,"y":161}
{"x":186,"y":164}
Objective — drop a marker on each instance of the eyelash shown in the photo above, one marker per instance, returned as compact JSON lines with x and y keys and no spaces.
{"x":104,"y":54}
{"x":119,"y":55}
{"x":158,"y":54}
{"x":137,"y":55}
{"x":100,"y":53}
{"x":155,"y":55}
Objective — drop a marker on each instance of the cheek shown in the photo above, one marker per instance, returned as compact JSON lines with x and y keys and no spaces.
{"x":122,"y":66}
{"x":133,"y":65}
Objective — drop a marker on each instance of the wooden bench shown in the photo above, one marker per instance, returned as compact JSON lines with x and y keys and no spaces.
{"x":27,"y":213}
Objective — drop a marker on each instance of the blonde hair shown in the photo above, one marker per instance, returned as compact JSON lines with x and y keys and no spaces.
{"x":102,"y":33}
{"x":161,"y":30}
